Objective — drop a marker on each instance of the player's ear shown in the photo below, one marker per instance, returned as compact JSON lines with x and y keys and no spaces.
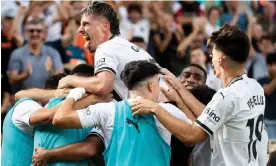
{"x":150,"y":86}
{"x":106,"y":26}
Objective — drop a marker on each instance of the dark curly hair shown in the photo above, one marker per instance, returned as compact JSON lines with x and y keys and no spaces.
{"x":204,"y":94}
{"x":103,"y":9}
{"x":137,"y":71}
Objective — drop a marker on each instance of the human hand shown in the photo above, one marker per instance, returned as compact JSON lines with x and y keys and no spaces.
{"x":48,"y":64}
{"x":61,"y":92}
{"x":29,"y":68}
{"x":171,"y":93}
{"x":76,"y":93}
{"x":40,"y":157}
{"x":171,"y":79}
{"x":144,"y":106}
{"x":64,"y":82}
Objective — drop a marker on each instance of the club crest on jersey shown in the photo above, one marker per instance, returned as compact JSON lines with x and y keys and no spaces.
{"x":212,"y":115}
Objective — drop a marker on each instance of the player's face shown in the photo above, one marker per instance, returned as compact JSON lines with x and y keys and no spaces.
{"x":93,"y":29}
{"x":192,"y":77}
{"x":216,"y":56}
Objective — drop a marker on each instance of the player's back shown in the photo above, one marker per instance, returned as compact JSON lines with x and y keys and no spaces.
{"x":240,"y":137}
{"x":113,"y":55}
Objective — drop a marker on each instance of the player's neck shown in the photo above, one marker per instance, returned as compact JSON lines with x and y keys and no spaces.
{"x":228,"y":76}
{"x":135,"y":94}
{"x":108,"y":36}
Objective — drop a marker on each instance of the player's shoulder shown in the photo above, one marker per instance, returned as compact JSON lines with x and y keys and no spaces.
{"x":170,"y":107}
{"x":244,"y":87}
{"x":115,"y":43}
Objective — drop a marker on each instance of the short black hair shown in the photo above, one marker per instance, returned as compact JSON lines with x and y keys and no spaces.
{"x":231,"y":41}
{"x":136,"y":71}
{"x":271,"y":58}
{"x":137,"y":39}
{"x":83,"y":70}
{"x":198,"y":66}
{"x":204,"y":94}
{"x":52,"y":82}
{"x":134,"y":7}
{"x":103,"y":9}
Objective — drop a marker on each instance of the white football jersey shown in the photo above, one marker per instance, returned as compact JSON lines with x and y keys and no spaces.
{"x":113,"y":55}
{"x":234,"y":119}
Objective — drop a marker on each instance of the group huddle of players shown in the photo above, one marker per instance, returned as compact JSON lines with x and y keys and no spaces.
{"x":134,"y":126}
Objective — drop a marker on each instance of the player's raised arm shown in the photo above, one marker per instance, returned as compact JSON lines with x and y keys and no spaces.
{"x":101,"y":84}
{"x":41,"y":94}
{"x":66,"y":116}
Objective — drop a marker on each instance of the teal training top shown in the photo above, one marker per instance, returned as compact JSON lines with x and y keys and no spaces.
{"x":49,"y":137}
{"x":135,"y":140}
{"x":17,"y":146}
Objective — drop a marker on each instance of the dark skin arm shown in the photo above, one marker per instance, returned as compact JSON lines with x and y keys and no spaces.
{"x":84,"y":150}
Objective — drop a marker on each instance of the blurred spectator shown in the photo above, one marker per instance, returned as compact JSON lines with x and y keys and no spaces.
{"x":257,"y":68}
{"x":257,"y":33}
{"x":5,"y":98}
{"x":193,"y":40}
{"x":266,"y":19}
{"x":235,"y":14}
{"x":134,"y":24}
{"x":213,"y":16}
{"x":200,"y":58}
{"x":31,"y":65}
{"x":55,"y":16}
{"x":189,"y":10}
{"x":139,"y":41}
{"x":269,"y":85}
{"x":166,"y":36}
{"x":10,"y":37}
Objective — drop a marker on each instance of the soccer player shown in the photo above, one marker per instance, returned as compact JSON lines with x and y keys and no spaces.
{"x":100,"y":27}
{"x":17,"y":146}
{"x":138,"y":140}
{"x":50,"y":137}
{"x":193,"y":75}
{"x":234,"y":117}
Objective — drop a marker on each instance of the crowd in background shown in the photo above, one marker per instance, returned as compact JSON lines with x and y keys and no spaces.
{"x":40,"y":38}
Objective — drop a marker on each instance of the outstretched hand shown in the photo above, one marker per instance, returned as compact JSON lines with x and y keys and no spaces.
{"x":144,"y":106}
{"x":171,"y":79}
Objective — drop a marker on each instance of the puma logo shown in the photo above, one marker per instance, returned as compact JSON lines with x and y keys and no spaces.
{"x":135,"y":124}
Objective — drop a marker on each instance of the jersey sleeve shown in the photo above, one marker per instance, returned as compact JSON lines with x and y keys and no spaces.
{"x":96,"y":115}
{"x":176,"y":112}
{"x":98,"y":132}
{"x":105,"y":61}
{"x":22,"y":113}
{"x":217,"y":112}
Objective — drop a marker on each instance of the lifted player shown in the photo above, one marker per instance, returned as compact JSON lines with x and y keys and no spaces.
{"x":100,"y":27}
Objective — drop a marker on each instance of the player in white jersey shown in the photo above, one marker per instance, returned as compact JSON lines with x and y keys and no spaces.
{"x":234,"y":117}
{"x":99,"y":26}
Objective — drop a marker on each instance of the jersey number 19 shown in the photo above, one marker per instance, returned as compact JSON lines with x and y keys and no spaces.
{"x":252,"y":143}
